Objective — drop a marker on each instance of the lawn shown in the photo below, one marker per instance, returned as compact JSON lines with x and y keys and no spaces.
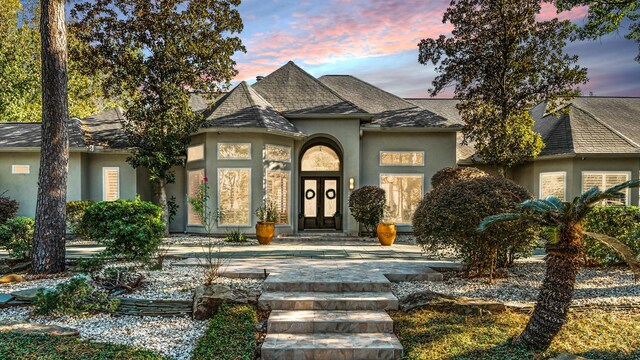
{"x":594,"y":335}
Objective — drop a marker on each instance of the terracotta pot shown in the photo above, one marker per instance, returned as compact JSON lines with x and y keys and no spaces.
{"x":265,"y":232}
{"x":386,"y":234}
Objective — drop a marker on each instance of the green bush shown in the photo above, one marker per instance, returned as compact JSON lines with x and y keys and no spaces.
{"x":448,"y":216}
{"x":231,"y":335}
{"x":621,"y":222}
{"x":75,"y":212}
{"x":367,"y":206}
{"x":8,"y":208}
{"x":74,"y":297}
{"x":16,"y":235}
{"x":449,"y":175}
{"x":235,"y":236}
{"x":128,"y":228}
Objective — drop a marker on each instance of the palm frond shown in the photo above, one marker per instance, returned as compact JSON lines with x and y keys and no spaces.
{"x":621,"y":249}
{"x":540,"y":205}
{"x":585,"y":197}
{"x":616,"y":190}
{"x":557,"y":204}
{"x":494,"y":219}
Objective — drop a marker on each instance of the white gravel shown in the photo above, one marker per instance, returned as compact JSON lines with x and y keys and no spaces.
{"x":593,"y":287}
{"x":29,"y":284}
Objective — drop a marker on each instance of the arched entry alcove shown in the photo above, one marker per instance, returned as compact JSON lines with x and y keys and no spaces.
{"x":320,"y":185}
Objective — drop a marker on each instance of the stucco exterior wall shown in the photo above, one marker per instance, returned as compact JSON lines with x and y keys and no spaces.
{"x":95,"y":162}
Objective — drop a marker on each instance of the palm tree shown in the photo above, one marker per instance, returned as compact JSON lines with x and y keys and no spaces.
{"x":564,"y":254}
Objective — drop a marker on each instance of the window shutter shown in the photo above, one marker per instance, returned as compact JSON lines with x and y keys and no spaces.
{"x":111,"y":183}
{"x":194,"y":181}
{"x":552,"y":184}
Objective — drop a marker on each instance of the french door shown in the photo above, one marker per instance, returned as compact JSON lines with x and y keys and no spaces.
{"x":320,"y":202}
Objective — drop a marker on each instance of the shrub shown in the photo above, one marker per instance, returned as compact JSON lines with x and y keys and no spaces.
{"x":367,"y":206}
{"x":75,"y":212}
{"x":128,"y":228}
{"x":449,"y":175}
{"x":447,"y":218}
{"x":75,"y":297}
{"x":231,"y":334}
{"x":16,"y":235}
{"x":236,"y":236}
{"x":621,"y":222}
{"x":8,"y":208}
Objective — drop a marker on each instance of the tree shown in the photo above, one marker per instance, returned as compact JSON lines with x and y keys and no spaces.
{"x":157,"y":53}
{"x":605,"y":17}
{"x":502,"y":62}
{"x":48,"y":254}
{"x":564,"y":254}
{"x":20,"y":98}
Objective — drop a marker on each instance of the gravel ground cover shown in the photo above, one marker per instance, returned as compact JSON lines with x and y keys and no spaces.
{"x":614,"y":286}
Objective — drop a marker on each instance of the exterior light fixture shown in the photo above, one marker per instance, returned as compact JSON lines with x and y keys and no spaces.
{"x":351,"y":183}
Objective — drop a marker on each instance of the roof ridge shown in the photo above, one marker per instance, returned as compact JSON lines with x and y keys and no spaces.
{"x":254,"y":105}
{"x":609,"y":127}
{"x":411,"y":105}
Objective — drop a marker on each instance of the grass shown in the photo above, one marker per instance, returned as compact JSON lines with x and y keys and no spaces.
{"x":594,"y":335}
{"x":231,"y":335}
{"x":41,"y":347}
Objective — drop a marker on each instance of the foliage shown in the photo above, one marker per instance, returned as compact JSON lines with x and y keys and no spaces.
{"x":231,"y":335}
{"x":23,"y":347}
{"x":267,"y":212}
{"x":190,"y":52}
{"x":8,"y":208}
{"x":235,"y":236}
{"x":75,"y":212}
{"x":447,"y":218}
{"x":621,"y":222}
{"x":605,"y":17}
{"x":128,"y":228}
{"x":502,"y":62}
{"x":449,"y":175}
{"x":16,"y":236}
{"x":439,"y":336}
{"x":367,"y":206}
{"x":208,"y":217}
{"x":213,"y":263}
{"x":118,"y":278}
{"x":92,"y":264}
{"x":20,"y":57}
{"x":74,"y":297}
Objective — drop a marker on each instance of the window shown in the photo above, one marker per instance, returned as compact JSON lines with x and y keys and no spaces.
{"x":20,"y":169}
{"x":195,"y":153}
{"x":320,"y":158}
{"x":404,"y":192}
{"x":234,"y":151}
{"x":110,"y":183}
{"x":605,"y":180}
{"x":278,"y":193}
{"x":401,"y":158}
{"x":234,"y":196}
{"x":277,"y":153}
{"x":553,"y":184}
{"x":194,"y":180}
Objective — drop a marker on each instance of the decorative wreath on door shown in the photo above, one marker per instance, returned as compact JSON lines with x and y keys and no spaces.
{"x":309,"y":194}
{"x":331,"y":194}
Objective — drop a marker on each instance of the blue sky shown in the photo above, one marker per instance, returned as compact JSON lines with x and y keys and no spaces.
{"x":376,"y":40}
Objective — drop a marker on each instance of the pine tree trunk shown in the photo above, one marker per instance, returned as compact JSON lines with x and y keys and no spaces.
{"x":48,"y":255}
{"x":550,"y":313}
{"x":162,"y":201}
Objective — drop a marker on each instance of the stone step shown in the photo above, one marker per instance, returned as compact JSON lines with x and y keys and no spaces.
{"x":328,"y":285}
{"x":325,"y":321}
{"x":277,"y":300}
{"x":370,"y":346}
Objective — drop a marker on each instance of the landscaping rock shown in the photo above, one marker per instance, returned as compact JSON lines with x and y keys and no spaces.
{"x":26,"y":328}
{"x":456,"y":304}
{"x":5,"y":298}
{"x":567,"y":356}
{"x":207,"y":299}
{"x":27,"y":295}
{"x":11,"y":278}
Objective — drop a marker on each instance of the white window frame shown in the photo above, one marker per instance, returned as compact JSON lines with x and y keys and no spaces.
{"x":104,"y":183}
{"x":404,"y":174}
{"x":278,"y":146}
{"x":233,"y":143}
{"x":288,"y":190}
{"x":552,"y":173}
{"x":401,"y":151}
{"x":204,"y":173}
{"x":15,"y":172}
{"x":220,"y":224}
{"x":193,"y":147}
{"x":627,"y":200}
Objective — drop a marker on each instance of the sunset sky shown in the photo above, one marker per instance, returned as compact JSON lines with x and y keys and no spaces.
{"x":376,"y":40}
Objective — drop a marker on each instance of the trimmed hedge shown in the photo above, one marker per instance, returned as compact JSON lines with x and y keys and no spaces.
{"x":231,"y":335}
{"x":449,"y":175}
{"x":367,"y":206}
{"x":16,"y":235}
{"x":621,"y":222}
{"x":75,"y":212}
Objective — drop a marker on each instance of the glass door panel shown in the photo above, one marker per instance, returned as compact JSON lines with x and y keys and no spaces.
{"x":310,"y":198}
{"x":330,"y":198}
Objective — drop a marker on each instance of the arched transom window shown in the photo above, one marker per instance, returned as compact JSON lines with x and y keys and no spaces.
{"x":320,"y":158}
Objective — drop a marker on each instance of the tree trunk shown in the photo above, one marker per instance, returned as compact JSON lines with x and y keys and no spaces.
{"x":162,"y":202}
{"x":48,"y":255}
{"x":550,"y":313}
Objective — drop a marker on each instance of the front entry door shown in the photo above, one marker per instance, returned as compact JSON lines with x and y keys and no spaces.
{"x":320,"y":202}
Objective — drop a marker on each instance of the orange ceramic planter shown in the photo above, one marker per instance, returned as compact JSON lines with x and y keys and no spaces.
{"x":386,"y":234}
{"x":265,"y":232}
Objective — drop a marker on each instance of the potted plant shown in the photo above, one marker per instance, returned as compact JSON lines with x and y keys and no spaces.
{"x":266,"y":226}
{"x":386,"y":228}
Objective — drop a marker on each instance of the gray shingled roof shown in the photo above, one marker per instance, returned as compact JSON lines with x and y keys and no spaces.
{"x":105,"y":129}
{"x":293,"y":91}
{"x":243,"y":107}
{"x":29,"y":135}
